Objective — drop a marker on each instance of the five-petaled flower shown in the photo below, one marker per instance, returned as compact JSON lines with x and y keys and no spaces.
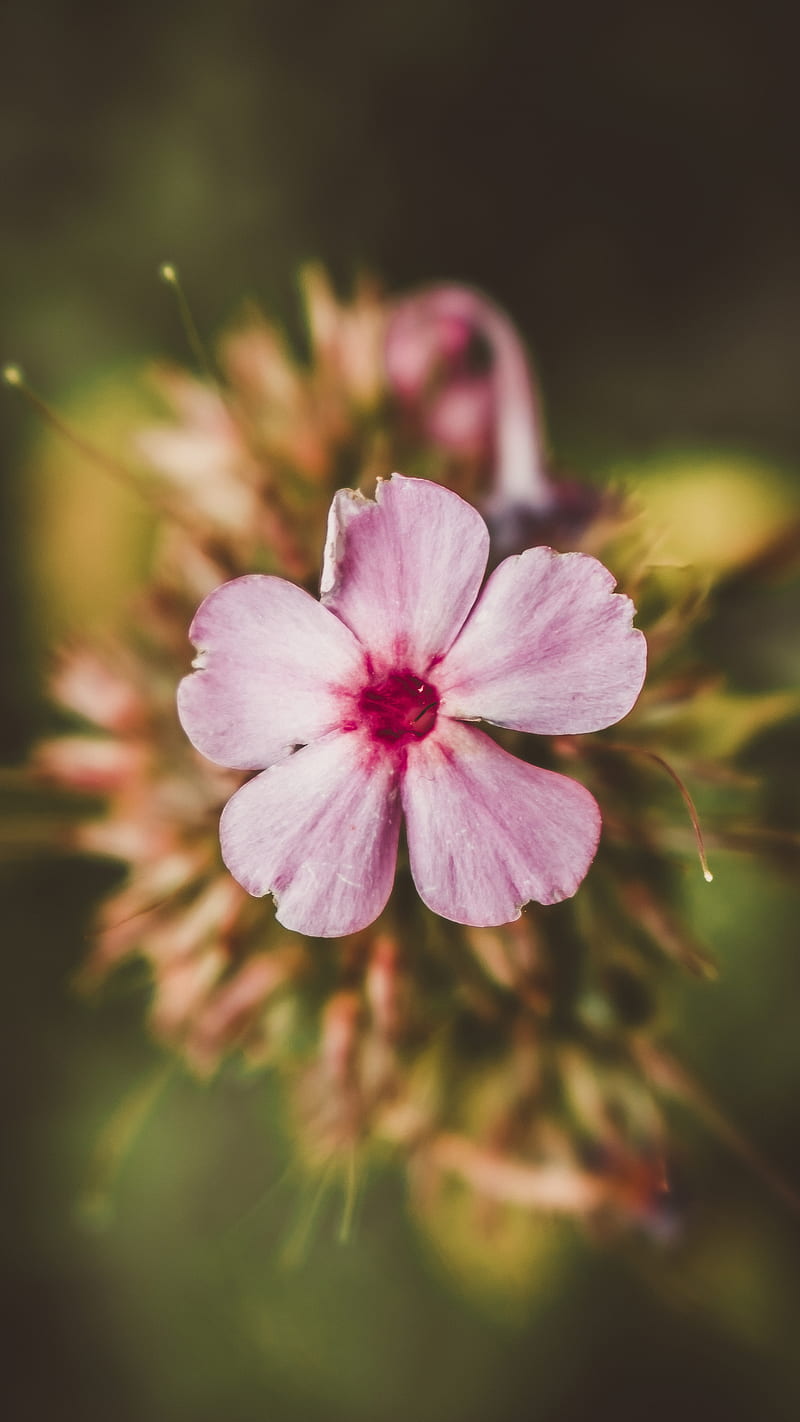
{"x":358,"y":709}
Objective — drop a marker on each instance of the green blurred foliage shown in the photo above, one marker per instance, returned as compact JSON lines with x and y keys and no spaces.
{"x":622,"y":177}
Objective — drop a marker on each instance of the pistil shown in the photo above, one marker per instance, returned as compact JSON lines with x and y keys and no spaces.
{"x":401,"y":706}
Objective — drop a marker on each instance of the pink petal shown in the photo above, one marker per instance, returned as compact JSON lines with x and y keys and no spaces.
{"x":487,"y":832}
{"x":549,"y":648}
{"x":319,"y":832}
{"x":403,"y":571}
{"x":272,"y":670}
{"x":459,"y":416}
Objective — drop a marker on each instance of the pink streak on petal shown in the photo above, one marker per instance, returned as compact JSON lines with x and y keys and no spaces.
{"x":487,"y":832}
{"x":404,"y":571}
{"x":274,"y":668}
{"x":549,"y":648}
{"x":319,"y":831}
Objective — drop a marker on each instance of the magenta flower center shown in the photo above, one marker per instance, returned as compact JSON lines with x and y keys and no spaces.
{"x":402,"y":705}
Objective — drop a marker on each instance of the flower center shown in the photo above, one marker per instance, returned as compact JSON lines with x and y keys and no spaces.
{"x":402,"y":705}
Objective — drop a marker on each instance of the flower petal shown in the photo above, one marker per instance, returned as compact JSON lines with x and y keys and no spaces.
{"x":272,"y":672}
{"x":488,"y":832}
{"x":549,"y":648}
{"x":318,"y":831}
{"x":403,"y":571}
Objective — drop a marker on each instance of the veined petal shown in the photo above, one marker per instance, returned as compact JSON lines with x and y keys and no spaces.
{"x":488,"y":832}
{"x":319,"y":832}
{"x":549,"y":648}
{"x":403,"y":571}
{"x":273,"y":670}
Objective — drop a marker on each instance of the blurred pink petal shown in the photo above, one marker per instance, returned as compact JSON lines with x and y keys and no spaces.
{"x":92,"y":764}
{"x":346,"y":339}
{"x":269,"y":674}
{"x":488,"y":832}
{"x":230,"y":1013}
{"x":431,"y":341}
{"x":319,"y":831}
{"x":462,"y":414}
{"x":403,"y":571}
{"x":549,"y":648}
{"x":428,"y":330}
{"x":204,"y":458}
{"x":99,"y":692}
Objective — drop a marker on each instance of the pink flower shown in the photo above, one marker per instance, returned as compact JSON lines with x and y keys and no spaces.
{"x":460,"y":371}
{"x":456,"y":359}
{"x":357,"y":709}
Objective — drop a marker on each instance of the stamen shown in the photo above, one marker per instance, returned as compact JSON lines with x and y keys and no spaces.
{"x":687,"y":799}
{"x":398,"y":707}
{"x":431,"y":706}
{"x":350,"y":1195}
{"x":169,"y":275}
{"x":15,"y":380}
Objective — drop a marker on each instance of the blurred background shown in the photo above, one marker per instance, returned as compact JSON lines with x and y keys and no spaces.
{"x":623,"y":178}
